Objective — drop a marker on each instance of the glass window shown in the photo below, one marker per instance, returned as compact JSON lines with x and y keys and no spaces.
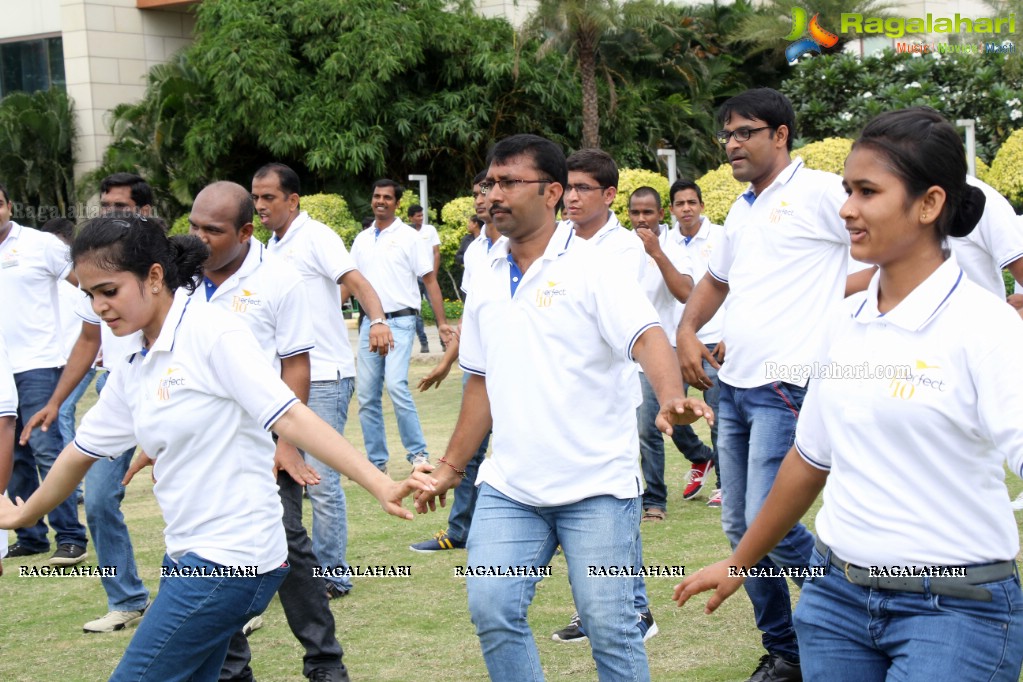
{"x":32,"y":65}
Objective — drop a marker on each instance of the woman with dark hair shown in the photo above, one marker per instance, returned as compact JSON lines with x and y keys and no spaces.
{"x":200,"y":397}
{"x":919,"y":400}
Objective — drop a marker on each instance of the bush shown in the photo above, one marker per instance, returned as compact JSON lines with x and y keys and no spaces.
{"x":1005,"y":174}
{"x":180,"y":226}
{"x":720,"y":190}
{"x":452,"y":311}
{"x":983,"y":170}
{"x":827,"y":155}
{"x":631,"y":179}
{"x":456,"y":213}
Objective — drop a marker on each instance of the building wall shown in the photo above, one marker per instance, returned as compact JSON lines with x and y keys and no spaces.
{"x":26,"y":18}
{"x":109,"y":46}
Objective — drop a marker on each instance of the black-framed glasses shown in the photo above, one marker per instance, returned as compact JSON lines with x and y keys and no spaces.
{"x":584,"y":189}
{"x":740,"y":134}
{"x":508,"y":184}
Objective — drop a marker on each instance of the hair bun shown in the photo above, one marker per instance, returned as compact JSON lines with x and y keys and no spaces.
{"x":971,"y":208}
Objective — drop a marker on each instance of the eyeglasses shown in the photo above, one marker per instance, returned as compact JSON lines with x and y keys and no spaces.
{"x":740,"y":134}
{"x":583,"y":189}
{"x":508,"y":184}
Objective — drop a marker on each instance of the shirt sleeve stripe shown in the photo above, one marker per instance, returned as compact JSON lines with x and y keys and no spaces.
{"x":1011,"y":259}
{"x":717,"y":276}
{"x":472,"y":370}
{"x":639,"y":333}
{"x":299,"y":351}
{"x":276,"y":415}
{"x":11,"y":413}
{"x":810,"y":460}
{"x":86,"y":451}
{"x":338,"y":276}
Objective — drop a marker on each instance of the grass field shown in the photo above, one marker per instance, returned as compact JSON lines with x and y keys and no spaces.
{"x":397,"y":628}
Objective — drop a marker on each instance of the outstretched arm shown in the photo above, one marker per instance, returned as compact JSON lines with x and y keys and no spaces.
{"x":65,"y":475}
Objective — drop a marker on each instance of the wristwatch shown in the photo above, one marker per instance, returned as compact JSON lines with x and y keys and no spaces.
{"x":379,"y":320}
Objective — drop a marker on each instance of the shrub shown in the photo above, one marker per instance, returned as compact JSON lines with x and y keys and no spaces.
{"x":452,"y":311}
{"x":983,"y":170}
{"x":1005,"y":174}
{"x":720,"y":190}
{"x":180,"y":226}
{"x":456,"y":213}
{"x":631,"y":179}
{"x":827,"y":155}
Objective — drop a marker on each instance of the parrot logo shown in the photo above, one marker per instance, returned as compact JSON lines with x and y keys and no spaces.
{"x":819,"y":38}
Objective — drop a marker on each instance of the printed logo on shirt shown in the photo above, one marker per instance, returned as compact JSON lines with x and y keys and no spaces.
{"x":10,"y":259}
{"x":240,"y":304}
{"x":920,"y":364}
{"x":169,"y":381}
{"x":779,"y":211}
{"x":924,"y":377}
{"x":545,"y":295}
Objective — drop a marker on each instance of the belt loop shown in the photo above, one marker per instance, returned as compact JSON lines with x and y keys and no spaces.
{"x":927,"y":587}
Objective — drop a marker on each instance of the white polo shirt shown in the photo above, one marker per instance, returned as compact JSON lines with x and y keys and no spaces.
{"x":477,"y":256}
{"x":655,"y":288}
{"x":267,"y":295}
{"x":195,"y":403}
{"x":700,"y":249}
{"x":319,"y":256}
{"x":553,"y":354}
{"x":784,"y":258}
{"x":901,"y":452}
{"x":8,"y":391}
{"x":428,"y":233}
{"x":392,"y":259}
{"x":993,"y":244}
{"x":31,"y":264}
{"x":70,"y":298}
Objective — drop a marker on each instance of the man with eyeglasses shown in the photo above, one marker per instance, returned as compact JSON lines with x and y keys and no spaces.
{"x":782,"y":265}
{"x":564,"y":466}
{"x":392,"y":256}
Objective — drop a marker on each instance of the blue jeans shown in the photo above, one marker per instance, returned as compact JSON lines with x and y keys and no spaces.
{"x":850,"y":633}
{"x":185,"y":633}
{"x":599,"y":532}
{"x":685,"y":438}
{"x":392,"y":370}
{"x":460,"y":516}
{"x":104,"y":494}
{"x":32,"y":464}
{"x":756,"y":429}
{"x":329,"y":400}
{"x":66,"y":416}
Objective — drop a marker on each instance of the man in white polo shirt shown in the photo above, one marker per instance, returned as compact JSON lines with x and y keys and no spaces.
{"x":782,"y":265}
{"x":699,"y":237}
{"x":564,"y":467}
{"x":31,"y":265}
{"x":428,"y":233}
{"x":244,"y":279}
{"x":323,"y":262}
{"x":392,"y":255}
{"x":8,"y":416}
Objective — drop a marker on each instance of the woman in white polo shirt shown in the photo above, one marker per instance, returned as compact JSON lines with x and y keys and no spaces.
{"x":921,"y":402}
{"x":200,"y":398}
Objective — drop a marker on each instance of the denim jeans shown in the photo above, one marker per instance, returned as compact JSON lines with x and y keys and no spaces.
{"x":685,"y":438}
{"x":460,"y":516}
{"x":374,"y":372}
{"x":599,"y":532}
{"x":32,"y":463}
{"x":329,"y":400}
{"x":850,"y":633}
{"x":186,"y":630}
{"x":66,"y":416}
{"x":756,"y":429}
{"x":305,"y":604}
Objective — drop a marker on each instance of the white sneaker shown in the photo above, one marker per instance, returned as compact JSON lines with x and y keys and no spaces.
{"x":114,"y":621}
{"x":252,"y":625}
{"x":419,"y":460}
{"x":1017,"y":504}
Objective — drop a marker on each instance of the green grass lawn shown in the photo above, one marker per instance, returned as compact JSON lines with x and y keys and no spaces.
{"x":396,"y":628}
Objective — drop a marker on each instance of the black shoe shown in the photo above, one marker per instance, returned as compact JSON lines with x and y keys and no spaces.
{"x":68,"y":555}
{"x":335,"y":592}
{"x":329,"y":675}
{"x":774,"y":668}
{"x":16,"y":550}
{"x":424,"y":348}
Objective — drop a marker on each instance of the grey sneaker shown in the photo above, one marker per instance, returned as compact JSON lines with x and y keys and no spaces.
{"x":68,"y":555}
{"x":253,"y":625}
{"x":114,"y":621}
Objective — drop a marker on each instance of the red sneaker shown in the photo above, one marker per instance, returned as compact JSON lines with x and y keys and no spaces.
{"x":697,"y":474}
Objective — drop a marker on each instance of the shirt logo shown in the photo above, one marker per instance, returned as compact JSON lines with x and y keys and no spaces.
{"x":240,"y":304}
{"x":545,"y":295}
{"x":10,"y":259}
{"x":920,"y":364}
{"x":168,"y":382}
{"x":923,"y":377}
{"x":780,"y":211}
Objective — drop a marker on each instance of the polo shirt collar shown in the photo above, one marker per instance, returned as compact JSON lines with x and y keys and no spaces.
{"x":169,"y":331}
{"x":610,"y":226}
{"x":563,"y":235}
{"x":921,"y":305}
{"x":783,"y":179}
{"x":301,"y":219}
{"x":14,"y":233}
{"x":253,"y":259}
{"x":393,"y":226}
